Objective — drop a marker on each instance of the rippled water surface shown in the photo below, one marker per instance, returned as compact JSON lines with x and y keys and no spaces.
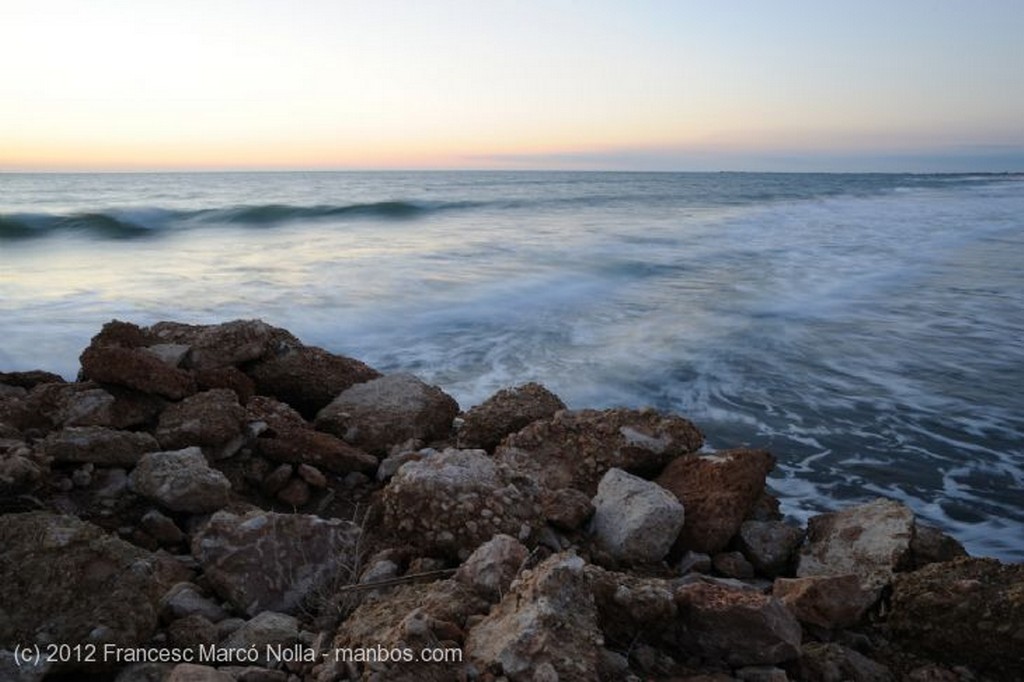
{"x":868,"y":329}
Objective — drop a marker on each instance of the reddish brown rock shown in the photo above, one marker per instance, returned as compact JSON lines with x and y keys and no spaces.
{"x":576,"y":448}
{"x":507,"y":411}
{"x":209,"y":420}
{"x":387,"y":411}
{"x":736,"y":627}
{"x":226,"y":377}
{"x":30,"y":379}
{"x":222,"y":345}
{"x":295,"y":493}
{"x":451,"y":502}
{"x":717,"y":491}
{"x":308,"y":378}
{"x":566,"y":508}
{"x":829,"y":602}
{"x":412,"y":616}
{"x":289,"y":438}
{"x":99,"y":445}
{"x":963,"y":612}
{"x":134,"y":368}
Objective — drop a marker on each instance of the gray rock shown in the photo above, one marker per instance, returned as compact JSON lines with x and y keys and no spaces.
{"x":185,"y":599}
{"x":268,"y":561}
{"x":267,"y":629}
{"x":180,"y":480}
{"x":491,"y":568}
{"x":769,"y":545}
{"x":870,"y":540}
{"x":635,"y":521}
{"x":548,"y":619}
{"x":389,"y":410}
{"x":830,"y":662}
{"x":74,"y":582}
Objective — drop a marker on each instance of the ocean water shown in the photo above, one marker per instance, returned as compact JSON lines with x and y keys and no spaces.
{"x":868,"y":329}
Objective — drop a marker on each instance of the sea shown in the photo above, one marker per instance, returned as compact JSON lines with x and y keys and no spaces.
{"x":866,"y":329}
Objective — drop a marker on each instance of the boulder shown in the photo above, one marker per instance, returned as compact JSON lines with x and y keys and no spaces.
{"x":635,"y":521}
{"x":185,"y":599}
{"x":490,"y":569}
{"x":98,"y":445}
{"x":963,"y":612}
{"x":134,"y":368}
{"x":89,"y":404}
{"x":265,"y":561}
{"x":266,"y":630}
{"x":633,"y":609}
{"x":735,"y":627}
{"x":718,"y":491}
{"x":831,"y":662}
{"x":289,"y":438}
{"x":68,"y":581}
{"x":930,"y":545}
{"x":411,"y":617}
{"x":30,"y":379}
{"x":506,"y":412}
{"x":566,"y":508}
{"x":210,"y":420}
{"x":770,"y":546}
{"x":308,"y":378}
{"x":451,"y":502}
{"x":226,"y":377}
{"x":830,"y":602}
{"x":180,"y":480}
{"x":387,"y":411}
{"x":733,"y":565}
{"x":574,"y":449}
{"x":226,"y":344}
{"x":870,"y":540}
{"x":548,"y":620}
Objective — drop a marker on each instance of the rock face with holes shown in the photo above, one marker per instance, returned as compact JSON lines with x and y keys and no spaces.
{"x":452,"y":502}
{"x":718,"y":492}
{"x":574,"y":449}
{"x":963,"y":612}
{"x":506,"y":412}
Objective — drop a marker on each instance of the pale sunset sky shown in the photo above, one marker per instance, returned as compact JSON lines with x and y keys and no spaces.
{"x":834,"y":85}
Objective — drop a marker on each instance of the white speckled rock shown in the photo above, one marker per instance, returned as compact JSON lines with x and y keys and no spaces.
{"x":180,"y":480}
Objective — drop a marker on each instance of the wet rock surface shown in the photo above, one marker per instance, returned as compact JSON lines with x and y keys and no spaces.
{"x":225,"y":486}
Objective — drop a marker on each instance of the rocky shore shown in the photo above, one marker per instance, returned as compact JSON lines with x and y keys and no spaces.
{"x":224,"y":502}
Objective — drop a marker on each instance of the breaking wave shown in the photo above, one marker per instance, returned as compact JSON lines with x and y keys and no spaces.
{"x":143,"y":222}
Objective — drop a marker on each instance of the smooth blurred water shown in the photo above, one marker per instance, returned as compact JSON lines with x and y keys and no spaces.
{"x":868,"y":329}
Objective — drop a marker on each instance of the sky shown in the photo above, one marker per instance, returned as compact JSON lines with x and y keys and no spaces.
{"x":822,"y":85}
